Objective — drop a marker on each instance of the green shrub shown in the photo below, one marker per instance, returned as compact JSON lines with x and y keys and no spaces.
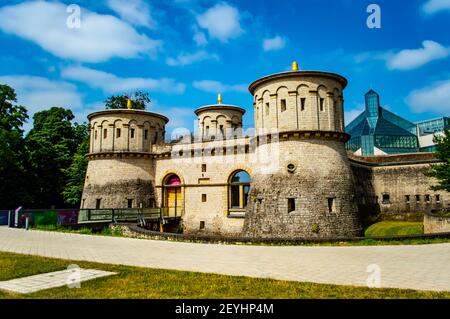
{"x":85,"y":230}
{"x":45,"y":227}
{"x":45,"y":218}
{"x":315,"y":228}
{"x":107,"y":231}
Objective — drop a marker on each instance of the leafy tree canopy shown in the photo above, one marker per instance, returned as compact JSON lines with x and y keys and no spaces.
{"x":442,"y":171}
{"x":13,"y":156}
{"x":12,"y":116}
{"x":77,"y":170}
{"x":51,"y":143}
{"x":139,"y":99}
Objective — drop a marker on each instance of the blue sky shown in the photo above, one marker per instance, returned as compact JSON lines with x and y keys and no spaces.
{"x":184,"y":52}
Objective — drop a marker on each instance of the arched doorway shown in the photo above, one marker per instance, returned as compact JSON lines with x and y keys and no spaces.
{"x":173,"y":196}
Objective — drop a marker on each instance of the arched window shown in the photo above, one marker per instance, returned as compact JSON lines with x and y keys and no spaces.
{"x":173,"y":180}
{"x":239,"y":188}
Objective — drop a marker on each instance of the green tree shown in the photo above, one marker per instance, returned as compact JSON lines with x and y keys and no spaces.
{"x":140,"y":101}
{"x":13,"y":156}
{"x":76,"y":172}
{"x":441,"y":171}
{"x":52,"y":143}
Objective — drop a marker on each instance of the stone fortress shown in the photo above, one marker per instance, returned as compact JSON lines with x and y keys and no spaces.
{"x":292,"y":177}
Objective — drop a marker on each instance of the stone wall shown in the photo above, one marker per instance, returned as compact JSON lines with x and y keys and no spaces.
{"x":212,"y":118}
{"x":396,"y":187}
{"x":115,"y":179}
{"x":204,"y":174}
{"x":303,"y":184}
{"x":365,"y":194}
{"x":319,"y":193}
{"x":293,"y":102}
{"x":125,"y":131}
{"x":434,"y":224}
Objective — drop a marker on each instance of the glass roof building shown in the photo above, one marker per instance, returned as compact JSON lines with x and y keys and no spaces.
{"x":427,"y":129}
{"x":377,"y":131}
{"x":433,"y":126}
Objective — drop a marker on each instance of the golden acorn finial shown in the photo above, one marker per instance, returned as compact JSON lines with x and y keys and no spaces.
{"x":294,"y":66}
{"x":129,"y":104}
{"x":219,"y":98}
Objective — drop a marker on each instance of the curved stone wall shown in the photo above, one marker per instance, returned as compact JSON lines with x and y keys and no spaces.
{"x":126,"y":131}
{"x":435,"y":224}
{"x":299,"y":101}
{"x":113,"y":181}
{"x":121,"y":169}
{"x":307,"y":190}
{"x":219,"y":120}
{"x":310,"y":195}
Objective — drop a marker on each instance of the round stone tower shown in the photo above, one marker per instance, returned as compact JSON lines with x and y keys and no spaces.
{"x":120,"y":171}
{"x":219,"y":120}
{"x":306,"y":188}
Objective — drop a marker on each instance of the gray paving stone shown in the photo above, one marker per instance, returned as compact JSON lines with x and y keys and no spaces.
{"x":419,"y":267}
{"x":51,"y":280}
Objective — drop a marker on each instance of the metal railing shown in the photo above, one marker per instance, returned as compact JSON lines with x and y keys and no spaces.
{"x":118,"y":215}
{"x":73,"y":217}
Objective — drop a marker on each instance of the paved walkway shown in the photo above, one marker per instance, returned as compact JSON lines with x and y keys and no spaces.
{"x":69,"y":277}
{"x":421,"y":267}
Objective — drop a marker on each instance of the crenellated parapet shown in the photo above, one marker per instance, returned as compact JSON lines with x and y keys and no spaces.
{"x":219,"y":121}
{"x":299,"y":100}
{"x":126,"y":131}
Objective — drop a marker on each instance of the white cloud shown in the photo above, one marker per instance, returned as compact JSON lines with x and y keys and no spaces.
{"x":38,"y":94}
{"x":200,"y":39}
{"x":353,"y":114}
{"x":113,"y":84}
{"x":190,"y":58}
{"x":179,"y":117}
{"x":82,"y":113}
{"x":222,"y":22}
{"x":273,"y":44}
{"x":408,"y":59}
{"x":371,"y":55}
{"x":99,"y":38}
{"x":434,"y":6}
{"x":433,"y":98}
{"x":415,"y":58}
{"x":136,"y":12}
{"x":218,"y":87}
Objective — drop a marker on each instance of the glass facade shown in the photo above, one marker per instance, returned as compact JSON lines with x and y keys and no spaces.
{"x":372,"y":104}
{"x":429,"y":149}
{"x":378,"y":131}
{"x":433,"y":126}
{"x":367,"y":145}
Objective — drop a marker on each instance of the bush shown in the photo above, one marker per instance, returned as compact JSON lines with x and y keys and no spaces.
{"x":85,"y":231}
{"x":107,"y":231}
{"x":45,"y":227}
{"x":315,"y":228}
{"x":45,"y":218}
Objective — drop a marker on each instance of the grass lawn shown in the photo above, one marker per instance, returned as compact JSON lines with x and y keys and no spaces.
{"x":106,"y":231}
{"x":395,"y":228}
{"x":134,"y":282}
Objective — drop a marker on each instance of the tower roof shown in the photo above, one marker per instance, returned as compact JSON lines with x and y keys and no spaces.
{"x":296,"y":74}
{"x":219,"y":106}
{"x":127,"y":111}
